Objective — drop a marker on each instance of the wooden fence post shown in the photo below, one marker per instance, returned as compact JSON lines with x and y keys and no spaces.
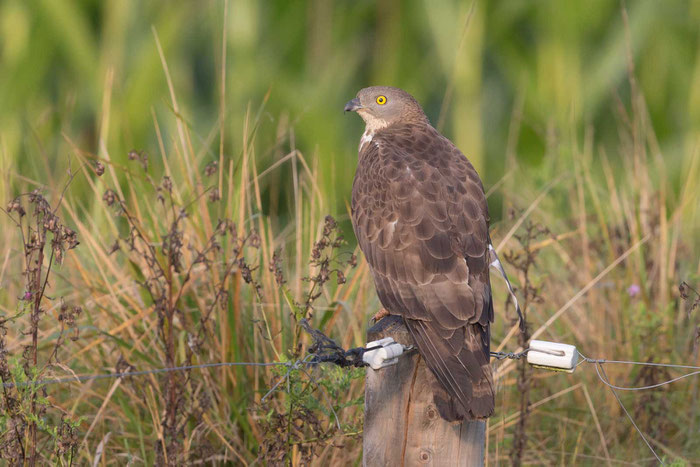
{"x":402,"y":424}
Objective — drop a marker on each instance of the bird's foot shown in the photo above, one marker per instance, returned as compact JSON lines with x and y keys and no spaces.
{"x":381,"y":314}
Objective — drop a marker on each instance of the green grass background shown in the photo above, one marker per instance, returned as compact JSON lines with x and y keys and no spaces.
{"x":562,"y":65}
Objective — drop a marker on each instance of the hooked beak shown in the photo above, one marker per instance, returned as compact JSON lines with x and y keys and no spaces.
{"x":353,"y":105}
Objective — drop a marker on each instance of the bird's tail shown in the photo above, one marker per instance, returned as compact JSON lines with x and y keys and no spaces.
{"x":463,"y":389}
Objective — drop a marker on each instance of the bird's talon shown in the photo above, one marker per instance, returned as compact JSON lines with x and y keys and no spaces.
{"x":381,"y":314}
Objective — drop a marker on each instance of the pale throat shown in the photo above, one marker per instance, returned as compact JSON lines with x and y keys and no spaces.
{"x":372,"y":125}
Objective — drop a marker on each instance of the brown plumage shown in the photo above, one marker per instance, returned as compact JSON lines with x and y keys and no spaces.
{"x":420,"y":216}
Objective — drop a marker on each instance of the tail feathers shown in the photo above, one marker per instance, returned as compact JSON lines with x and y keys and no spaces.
{"x":463,"y":389}
{"x":480,"y":407}
{"x":452,"y":411}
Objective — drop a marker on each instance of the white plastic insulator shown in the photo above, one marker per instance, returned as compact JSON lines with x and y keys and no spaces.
{"x":386,"y":355}
{"x":553,"y":356}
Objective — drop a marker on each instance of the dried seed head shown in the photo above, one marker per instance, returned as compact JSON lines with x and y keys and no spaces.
{"x":167,"y":184}
{"x":69,"y":237}
{"x":99,"y":168}
{"x":35,"y":196}
{"x":214,"y":195}
{"x":15,"y":205}
{"x":110,"y":197}
{"x":139,"y":156}
{"x":276,"y":268}
{"x":51,"y":223}
{"x":222,"y":227}
{"x":211,"y":168}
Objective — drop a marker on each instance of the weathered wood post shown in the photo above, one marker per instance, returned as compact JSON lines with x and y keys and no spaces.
{"x":402,"y":424}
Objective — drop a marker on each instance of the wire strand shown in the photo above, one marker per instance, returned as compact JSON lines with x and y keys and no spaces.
{"x":83,"y":378}
{"x":600,"y":361}
{"x":628,"y":362}
{"x":653,"y":386}
{"x":599,"y":365}
{"x":600,"y":371}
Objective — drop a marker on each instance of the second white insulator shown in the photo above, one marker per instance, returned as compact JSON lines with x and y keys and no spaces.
{"x":553,"y":355}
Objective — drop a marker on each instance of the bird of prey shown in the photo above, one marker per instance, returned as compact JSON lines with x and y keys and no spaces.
{"x":420,"y":216}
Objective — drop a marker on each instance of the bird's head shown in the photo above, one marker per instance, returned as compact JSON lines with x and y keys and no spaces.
{"x":381,"y":106}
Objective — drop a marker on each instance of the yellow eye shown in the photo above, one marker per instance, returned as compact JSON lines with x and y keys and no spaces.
{"x":381,"y":100}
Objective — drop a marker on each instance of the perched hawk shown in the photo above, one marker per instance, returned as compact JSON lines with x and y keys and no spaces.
{"x":420,"y":216}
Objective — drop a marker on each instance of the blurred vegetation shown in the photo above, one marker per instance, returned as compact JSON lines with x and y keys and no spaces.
{"x":601,"y":99}
{"x":559,"y":67}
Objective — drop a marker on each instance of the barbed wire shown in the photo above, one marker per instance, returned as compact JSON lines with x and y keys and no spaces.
{"x":509,"y":355}
{"x":326,"y":350}
{"x":124,"y":374}
{"x":519,"y":355}
{"x":323,"y":350}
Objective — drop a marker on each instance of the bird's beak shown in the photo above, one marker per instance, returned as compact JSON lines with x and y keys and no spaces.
{"x":353,"y":105}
